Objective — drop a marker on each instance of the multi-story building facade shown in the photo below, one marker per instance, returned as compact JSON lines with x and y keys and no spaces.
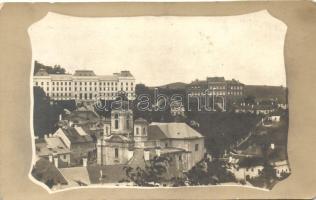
{"x":85,"y":85}
{"x":217,"y":86}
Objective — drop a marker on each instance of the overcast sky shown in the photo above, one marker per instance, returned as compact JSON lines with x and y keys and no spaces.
{"x":162,"y":50}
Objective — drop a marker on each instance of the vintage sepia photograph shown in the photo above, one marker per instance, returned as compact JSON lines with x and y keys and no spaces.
{"x":158,"y":102}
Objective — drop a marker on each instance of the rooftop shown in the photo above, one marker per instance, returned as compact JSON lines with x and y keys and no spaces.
{"x":42,"y":72}
{"x":141,"y":121}
{"x":77,"y":135}
{"x":84,"y":73}
{"x":174,"y":130}
{"x":215,"y":79}
{"x":52,"y":145}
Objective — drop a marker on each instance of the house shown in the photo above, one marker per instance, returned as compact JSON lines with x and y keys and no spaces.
{"x":77,"y":141}
{"x":130,"y":142}
{"x":281,"y":168}
{"x":53,"y":149}
{"x":254,"y":109}
{"x":247,"y":168}
{"x":274,"y":118}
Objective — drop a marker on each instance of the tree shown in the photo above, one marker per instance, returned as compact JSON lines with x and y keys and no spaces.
{"x":250,"y":99}
{"x":57,"y":69}
{"x":151,"y":174}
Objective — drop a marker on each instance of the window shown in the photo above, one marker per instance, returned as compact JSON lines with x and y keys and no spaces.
{"x":116,"y":122}
{"x":196,"y":147}
{"x":127,"y":124}
{"x":116,"y":152}
{"x":137,"y":131}
{"x":144,"y":131}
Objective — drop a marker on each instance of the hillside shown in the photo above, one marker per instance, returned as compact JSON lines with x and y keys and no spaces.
{"x":176,"y":86}
{"x":266,"y":92}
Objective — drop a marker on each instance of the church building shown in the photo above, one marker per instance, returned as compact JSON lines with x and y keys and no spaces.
{"x":128,"y":141}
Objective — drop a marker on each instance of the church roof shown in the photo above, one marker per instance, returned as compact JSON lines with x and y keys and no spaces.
{"x":141,"y":121}
{"x":117,"y":138}
{"x":174,"y":130}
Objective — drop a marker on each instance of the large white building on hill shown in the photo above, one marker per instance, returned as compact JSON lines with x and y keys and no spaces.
{"x":85,"y":85}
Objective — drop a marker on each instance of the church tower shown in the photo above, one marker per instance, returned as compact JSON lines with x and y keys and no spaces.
{"x":107,"y":127}
{"x":122,"y":122}
{"x":140,"y":132}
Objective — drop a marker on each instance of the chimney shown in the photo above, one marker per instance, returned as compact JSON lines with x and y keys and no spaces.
{"x":60,"y":117}
{"x":56,"y":162}
{"x":272,"y":146}
{"x":84,"y":162}
{"x":146,"y":155}
{"x":50,"y":157}
{"x":158,"y":152}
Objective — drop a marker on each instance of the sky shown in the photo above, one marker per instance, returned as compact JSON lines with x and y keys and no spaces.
{"x":163,"y":50}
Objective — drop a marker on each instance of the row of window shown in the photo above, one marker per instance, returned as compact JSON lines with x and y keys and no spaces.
{"x":85,"y":89}
{"x":236,"y":87}
{"x":219,"y":93}
{"x":82,"y":95}
{"x":138,"y":131}
{"x":84,"y":83}
{"x":218,"y":87}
